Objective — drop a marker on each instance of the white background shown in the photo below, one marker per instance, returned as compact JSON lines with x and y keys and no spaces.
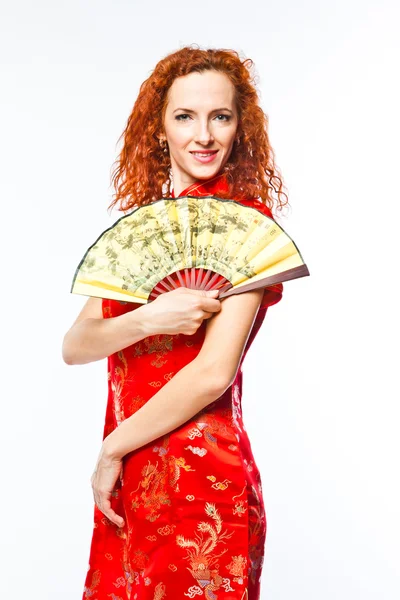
{"x":321,"y":393}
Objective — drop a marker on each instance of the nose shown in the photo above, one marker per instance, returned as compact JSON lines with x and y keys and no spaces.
{"x":203,"y":134}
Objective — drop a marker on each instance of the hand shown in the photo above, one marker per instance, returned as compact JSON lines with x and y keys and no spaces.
{"x":181,"y":310}
{"x":106,"y":473}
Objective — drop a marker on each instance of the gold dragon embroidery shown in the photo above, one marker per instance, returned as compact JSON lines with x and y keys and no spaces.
{"x":158,"y":481}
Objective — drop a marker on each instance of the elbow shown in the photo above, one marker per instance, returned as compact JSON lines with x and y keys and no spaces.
{"x":216,"y":381}
{"x":67,"y":352}
{"x":67,"y":358}
{"x":225,"y":383}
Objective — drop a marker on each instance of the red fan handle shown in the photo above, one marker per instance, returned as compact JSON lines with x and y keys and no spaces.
{"x":195,"y":278}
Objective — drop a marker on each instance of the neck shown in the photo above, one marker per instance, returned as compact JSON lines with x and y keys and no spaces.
{"x":181,"y":181}
{"x":179,"y":186}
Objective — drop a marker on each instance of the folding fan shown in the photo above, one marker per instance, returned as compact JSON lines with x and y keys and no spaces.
{"x":195,"y":242}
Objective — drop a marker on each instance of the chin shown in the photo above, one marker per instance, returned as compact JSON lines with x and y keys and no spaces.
{"x":204,"y":172}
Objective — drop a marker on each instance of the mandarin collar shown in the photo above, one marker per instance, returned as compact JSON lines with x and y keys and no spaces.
{"x":208,"y":187}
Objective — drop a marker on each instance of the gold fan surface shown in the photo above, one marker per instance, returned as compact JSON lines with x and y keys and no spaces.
{"x":153,"y":241}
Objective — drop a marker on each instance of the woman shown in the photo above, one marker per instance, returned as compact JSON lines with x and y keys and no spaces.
{"x":178,"y":501}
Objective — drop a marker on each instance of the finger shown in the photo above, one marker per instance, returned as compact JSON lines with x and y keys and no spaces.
{"x":206,"y":293}
{"x":111,"y":514}
{"x":211,"y":305}
{"x":207,"y":315}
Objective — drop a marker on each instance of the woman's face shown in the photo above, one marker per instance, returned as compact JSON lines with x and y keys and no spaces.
{"x":200,"y":124}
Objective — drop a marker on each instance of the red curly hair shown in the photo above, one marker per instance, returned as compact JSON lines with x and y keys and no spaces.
{"x":142,"y":171}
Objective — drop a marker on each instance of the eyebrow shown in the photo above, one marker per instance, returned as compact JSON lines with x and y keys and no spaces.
{"x":188,"y":110}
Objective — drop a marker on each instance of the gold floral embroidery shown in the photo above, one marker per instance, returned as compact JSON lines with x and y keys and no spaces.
{"x":137,"y":349}
{"x":139,"y":559}
{"x":131,"y":576}
{"x":216,"y":425}
{"x":121,"y":533}
{"x":89,"y":590}
{"x":117,"y":386}
{"x":200,"y":551}
{"x":159,"y":343}
{"x":122,"y":358}
{"x":241,"y":506}
{"x":136,"y":403}
{"x":159,"y":591}
{"x":237,"y":568}
{"x":237,"y":408}
{"x":158,"y":478}
{"x":107,"y":312}
{"x":256,"y":541}
{"x":241,"y":493}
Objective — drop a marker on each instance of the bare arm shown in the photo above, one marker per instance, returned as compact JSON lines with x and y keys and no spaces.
{"x":92,"y":338}
{"x":213,"y":370}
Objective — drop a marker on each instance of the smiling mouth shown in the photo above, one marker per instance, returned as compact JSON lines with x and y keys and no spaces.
{"x":203,"y":153}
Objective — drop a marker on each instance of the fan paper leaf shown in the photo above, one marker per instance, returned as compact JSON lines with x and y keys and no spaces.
{"x":232,"y":246}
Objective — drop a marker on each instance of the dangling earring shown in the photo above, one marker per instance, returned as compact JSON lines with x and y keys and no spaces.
{"x":237,"y":140}
{"x":164,"y":146}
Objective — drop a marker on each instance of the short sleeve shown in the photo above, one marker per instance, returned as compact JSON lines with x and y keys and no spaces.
{"x":272,"y":295}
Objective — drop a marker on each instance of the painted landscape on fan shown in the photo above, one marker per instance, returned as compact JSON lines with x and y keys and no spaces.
{"x":200,"y":243}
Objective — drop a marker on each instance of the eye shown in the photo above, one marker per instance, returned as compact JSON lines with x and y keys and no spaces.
{"x":182,"y":117}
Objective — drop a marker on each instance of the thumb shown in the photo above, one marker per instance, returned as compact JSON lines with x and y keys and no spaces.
{"x":212,"y":292}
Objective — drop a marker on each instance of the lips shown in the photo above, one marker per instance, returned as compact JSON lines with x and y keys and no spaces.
{"x":203,"y":152}
{"x":204,"y":156}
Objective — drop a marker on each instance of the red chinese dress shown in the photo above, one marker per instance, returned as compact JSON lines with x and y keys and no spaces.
{"x":192,"y":501}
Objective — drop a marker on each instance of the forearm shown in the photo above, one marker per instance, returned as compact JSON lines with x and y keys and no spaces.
{"x":188,"y":392}
{"x":94,"y":339}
